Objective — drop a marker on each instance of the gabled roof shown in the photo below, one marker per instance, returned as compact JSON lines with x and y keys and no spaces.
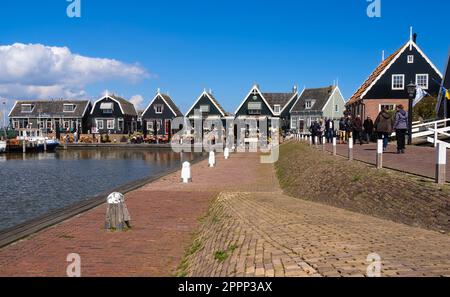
{"x":52,"y":108}
{"x":282,"y":99}
{"x":320,"y":96}
{"x":383,"y":67}
{"x":213,"y":100}
{"x":169,"y":102}
{"x":126,"y":107}
{"x":271,"y":99}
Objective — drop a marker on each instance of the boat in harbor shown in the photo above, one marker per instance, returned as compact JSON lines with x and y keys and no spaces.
{"x":2,"y":146}
{"x":33,"y":141}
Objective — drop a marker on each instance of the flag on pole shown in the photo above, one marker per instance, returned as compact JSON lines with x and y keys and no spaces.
{"x":420,"y":94}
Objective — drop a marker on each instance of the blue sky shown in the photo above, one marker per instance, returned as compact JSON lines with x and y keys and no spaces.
{"x":185,"y":46}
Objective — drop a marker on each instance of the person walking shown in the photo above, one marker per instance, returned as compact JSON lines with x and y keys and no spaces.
{"x":329,"y":130}
{"x":368,"y":129}
{"x":357,"y":130}
{"x":401,"y":127}
{"x":342,"y":131}
{"x":348,"y":128}
{"x":322,"y":128}
{"x":314,"y":130}
{"x":384,"y":126}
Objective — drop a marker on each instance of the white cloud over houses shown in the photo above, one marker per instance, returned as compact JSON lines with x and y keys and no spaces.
{"x":38,"y":71}
{"x":137,"y":101}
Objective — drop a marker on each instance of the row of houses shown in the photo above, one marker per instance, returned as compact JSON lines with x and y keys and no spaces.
{"x":114,"y":115}
{"x":385,"y":87}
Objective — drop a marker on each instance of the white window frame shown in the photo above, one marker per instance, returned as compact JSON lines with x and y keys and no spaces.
{"x":204,"y":108}
{"x":394,"y":76}
{"x":27,"y":105}
{"x":99,"y":124}
{"x":71,"y":111}
{"x":336,"y":108}
{"x":294,"y":122}
{"x":394,"y":106}
{"x":308,"y":104}
{"x":410,"y":59}
{"x":428,"y":80}
{"x":157,"y":106}
{"x":150,"y":126}
{"x":108,"y":126}
{"x":277,"y":108}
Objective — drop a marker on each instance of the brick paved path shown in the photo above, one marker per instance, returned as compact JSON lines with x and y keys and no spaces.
{"x":165,"y":215}
{"x":270,"y":234}
{"x":417,"y":160}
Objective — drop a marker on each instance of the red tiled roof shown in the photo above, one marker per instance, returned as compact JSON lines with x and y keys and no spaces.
{"x":357,"y":96}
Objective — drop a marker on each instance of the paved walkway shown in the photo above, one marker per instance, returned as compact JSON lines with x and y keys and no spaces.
{"x":268,"y":234}
{"x":417,"y":160}
{"x":165,"y":215}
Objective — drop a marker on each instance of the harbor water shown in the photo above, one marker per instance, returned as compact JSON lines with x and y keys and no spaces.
{"x":33,"y":185}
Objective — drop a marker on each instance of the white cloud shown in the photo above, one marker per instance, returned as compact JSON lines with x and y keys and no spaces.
{"x":39,"y":71}
{"x":137,"y":101}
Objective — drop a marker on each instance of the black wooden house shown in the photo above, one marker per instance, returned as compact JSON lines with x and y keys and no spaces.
{"x":113,"y":115}
{"x":158,"y":116}
{"x":443,"y":108}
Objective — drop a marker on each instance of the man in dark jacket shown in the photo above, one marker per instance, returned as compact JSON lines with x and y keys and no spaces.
{"x":357,"y":129}
{"x":384,"y":125}
{"x":315,"y":131}
{"x":368,"y":129}
{"x":401,"y":127}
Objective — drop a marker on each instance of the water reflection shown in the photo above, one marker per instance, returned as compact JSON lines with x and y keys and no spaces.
{"x":31,"y":185}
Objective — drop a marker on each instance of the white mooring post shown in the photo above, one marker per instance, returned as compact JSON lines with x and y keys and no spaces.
{"x":350,"y":149}
{"x":334,"y":146}
{"x":380,"y":154}
{"x":441,"y":163}
{"x":212,"y":159}
{"x":226,"y":153}
{"x":186,"y":173}
{"x":324,"y":143}
{"x":316,"y":141}
{"x":310,"y":140}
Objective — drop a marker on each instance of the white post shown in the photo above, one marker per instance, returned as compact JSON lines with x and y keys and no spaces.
{"x":212,"y":159}
{"x":334,"y":146}
{"x":380,"y":154}
{"x":435,"y":134}
{"x":350,"y":149}
{"x":186,"y":173}
{"x":324,"y":141}
{"x":226,"y":153}
{"x":310,"y":140}
{"x":316,"y":140}
{"x":441,"y":163}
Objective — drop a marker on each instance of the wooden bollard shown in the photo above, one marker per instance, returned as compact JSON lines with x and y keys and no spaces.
{"x":24,"y":146}
{"x":324,"y":143}
{"x":380,"y":154}
{"x":334,"y":146}
{"x":441,"y":163}
{"x":316,"y":141}
{"x":310,"y":140}
{"x":117,"y":216}
{"x":350,"y":149}
{"x":45,"y":145}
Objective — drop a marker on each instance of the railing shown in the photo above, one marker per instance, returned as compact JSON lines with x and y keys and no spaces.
{"x":437,"y":129}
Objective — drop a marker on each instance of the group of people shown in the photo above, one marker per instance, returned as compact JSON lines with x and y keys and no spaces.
{"x":385,"y":124}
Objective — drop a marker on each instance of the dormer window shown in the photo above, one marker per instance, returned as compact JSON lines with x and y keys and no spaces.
{"x":107,"y":108}
{"x":69,"y":108}
{"x":308,"y":104}
{"x":159,"y":108}
{"x":410,"y":59}
{"x":277,"y":108}
{"x":27,"y":108}
{"x":204,"y":108}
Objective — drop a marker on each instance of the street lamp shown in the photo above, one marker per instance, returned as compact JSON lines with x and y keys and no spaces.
{"x":411,"y":88}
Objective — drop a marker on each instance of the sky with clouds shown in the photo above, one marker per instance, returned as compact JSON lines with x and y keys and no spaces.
{"x":133,"y":47}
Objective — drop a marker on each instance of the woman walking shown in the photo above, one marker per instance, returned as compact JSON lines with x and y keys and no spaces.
{"x":401,"y":127}
{"x":383,"y":126}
